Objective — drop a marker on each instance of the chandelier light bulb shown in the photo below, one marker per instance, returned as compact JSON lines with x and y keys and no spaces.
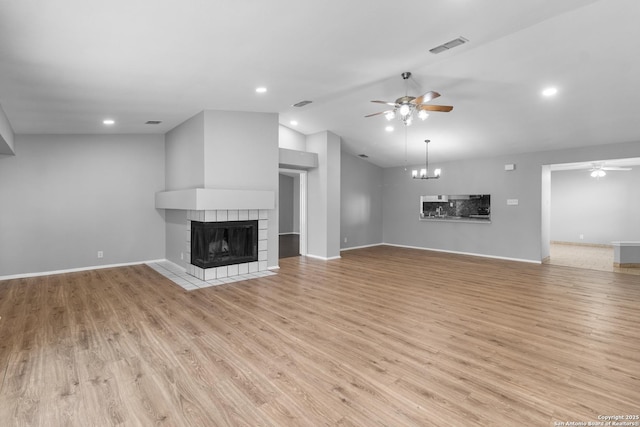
{"x":423,"y":173}
{"x":414,"y":173}
{"x":405,"y":110}
{"x":423,"y":114}
{"x":390,"y":115}
{"x":598,"y":173}
{"x":437,"y":172}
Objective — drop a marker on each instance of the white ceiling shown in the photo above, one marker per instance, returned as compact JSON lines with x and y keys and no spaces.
{"x":66,"y":65}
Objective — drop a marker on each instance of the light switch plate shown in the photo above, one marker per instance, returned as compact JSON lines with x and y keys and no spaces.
{"x":512,"y":202}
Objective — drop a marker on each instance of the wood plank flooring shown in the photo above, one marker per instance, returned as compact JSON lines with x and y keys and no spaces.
{"x":384,"y":336}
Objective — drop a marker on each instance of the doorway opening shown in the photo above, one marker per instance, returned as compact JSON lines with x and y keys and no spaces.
{"x":292,"y":205}
{"x":583,"y":213}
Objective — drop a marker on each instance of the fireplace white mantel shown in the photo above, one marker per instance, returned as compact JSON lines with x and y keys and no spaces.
{"x":209,"y":199}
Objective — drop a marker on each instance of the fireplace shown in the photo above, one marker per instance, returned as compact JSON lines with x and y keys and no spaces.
{"x":217,"y":244}
{"x":224,"y":243}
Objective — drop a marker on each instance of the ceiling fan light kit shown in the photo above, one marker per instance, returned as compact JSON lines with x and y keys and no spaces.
{"x":406,"y":107}
{"x":598,"y":170}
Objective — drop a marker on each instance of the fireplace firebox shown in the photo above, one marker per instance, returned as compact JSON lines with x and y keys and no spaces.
{"x":216,"y":244}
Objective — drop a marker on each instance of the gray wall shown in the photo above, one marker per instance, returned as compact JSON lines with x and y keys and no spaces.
{"x":184,"y":155}
{"x":184,"y":159}
{"x":286,"y":204}
{"x":223,"y":150}
{"x":291,"y":139}
{"x":241,"y":152}
{"x":6,"y":135}
{"x":515,"y":232}
{"x":65,"y":197}
{"x":296,"y":204}
{"x":602,"y":210}
{"x":323,"y":216}
{"x":545,"y":214}
{"x":360,"y":202}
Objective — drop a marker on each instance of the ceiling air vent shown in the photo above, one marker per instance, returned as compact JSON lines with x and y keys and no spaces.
{"x":302,"y":103}
{"x":449,"y":45}
{"x":363,"y":156}
{"x":153,"y":122}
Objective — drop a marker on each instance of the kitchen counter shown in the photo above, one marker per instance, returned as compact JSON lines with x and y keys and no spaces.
{"x":483,"y":219}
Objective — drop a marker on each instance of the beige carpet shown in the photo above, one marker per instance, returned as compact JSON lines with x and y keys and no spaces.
{"x":588,"y":257}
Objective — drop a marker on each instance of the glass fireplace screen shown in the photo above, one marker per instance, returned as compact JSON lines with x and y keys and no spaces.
{"x":215,"y":244}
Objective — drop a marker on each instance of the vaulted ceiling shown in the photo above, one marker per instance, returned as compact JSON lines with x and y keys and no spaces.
{"x":67,"y":65}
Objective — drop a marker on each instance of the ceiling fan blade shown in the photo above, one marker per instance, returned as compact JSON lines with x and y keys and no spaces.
{"x":615,"y":168}
{"x":393,"y":104}
{"x":425,"y":98}
{"x":377,"y":114}
{"x":442,"y":108}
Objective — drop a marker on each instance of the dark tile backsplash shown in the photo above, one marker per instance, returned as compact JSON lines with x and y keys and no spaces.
{"x":464,"y":208}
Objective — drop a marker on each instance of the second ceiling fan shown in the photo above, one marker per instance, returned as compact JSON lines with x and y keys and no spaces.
{"x":406,"y":106}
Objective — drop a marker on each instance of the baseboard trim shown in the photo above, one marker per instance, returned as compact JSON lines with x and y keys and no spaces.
{"x":75,"y":270}
{"x":626,"y":265}
{"x":529,"y":261}
{"x":323,"y":258}
{"x":361,"y":247}
{"x":592,"y":245}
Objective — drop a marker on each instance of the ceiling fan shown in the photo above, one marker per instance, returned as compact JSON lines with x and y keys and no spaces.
{"x":598,"y":169}
{"x":406,"y":106}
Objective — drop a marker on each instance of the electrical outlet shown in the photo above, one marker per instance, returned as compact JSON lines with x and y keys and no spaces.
{"x":345,"y":240}
{"x":100,"y":254}
{"x":582,"y":237}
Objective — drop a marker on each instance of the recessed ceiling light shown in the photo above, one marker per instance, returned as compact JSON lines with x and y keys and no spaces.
{"x":261,"y":89}
{"x":293,"y":123}
{"x":108,"y":121}
{"x":550,"y":91}
{"x":389,"y":128}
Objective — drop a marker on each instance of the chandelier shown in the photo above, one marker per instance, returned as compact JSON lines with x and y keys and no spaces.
{"x":424,"y":172}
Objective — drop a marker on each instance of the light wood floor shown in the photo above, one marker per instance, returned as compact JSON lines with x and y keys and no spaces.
{"x":383,"y":336}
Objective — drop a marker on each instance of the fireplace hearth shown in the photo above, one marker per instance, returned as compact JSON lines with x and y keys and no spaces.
{"x":217,"y":244}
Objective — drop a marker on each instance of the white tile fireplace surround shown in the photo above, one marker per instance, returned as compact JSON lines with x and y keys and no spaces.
{"x":219,"y":215}
{"x":223,"y":205}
